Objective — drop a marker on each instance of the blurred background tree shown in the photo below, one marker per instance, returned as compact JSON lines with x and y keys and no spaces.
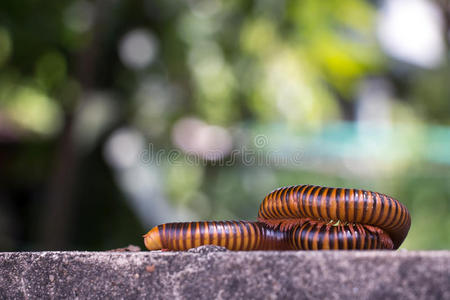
{"x":119,"y":115}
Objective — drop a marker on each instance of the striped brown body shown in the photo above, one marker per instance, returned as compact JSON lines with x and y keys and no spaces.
{"x":233,"y":235}
{"x":302,"y":217}
{"x":321,"y":236}
{"x":376,"y":212}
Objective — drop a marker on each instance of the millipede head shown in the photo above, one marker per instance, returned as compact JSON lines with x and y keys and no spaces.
{"x":152,"y":239}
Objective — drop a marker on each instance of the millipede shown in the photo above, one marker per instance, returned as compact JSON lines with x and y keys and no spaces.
{"x":301,"y":217}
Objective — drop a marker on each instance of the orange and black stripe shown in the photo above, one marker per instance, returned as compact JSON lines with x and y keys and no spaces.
{"x":375,"y":214}
{"x":302,"y":217}
{"x":322,"y":236}
{"x":233,"y":235}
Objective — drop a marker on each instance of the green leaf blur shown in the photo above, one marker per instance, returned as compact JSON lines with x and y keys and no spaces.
{"x":116,"y":116}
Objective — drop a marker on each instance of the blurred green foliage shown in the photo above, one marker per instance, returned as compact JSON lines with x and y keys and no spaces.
{"x":87,"y":86}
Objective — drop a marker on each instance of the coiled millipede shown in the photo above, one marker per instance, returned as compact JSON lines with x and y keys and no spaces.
{"x":302,"y":217}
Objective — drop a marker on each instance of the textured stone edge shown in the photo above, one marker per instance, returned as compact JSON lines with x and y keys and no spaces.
{"x":210,"y":273}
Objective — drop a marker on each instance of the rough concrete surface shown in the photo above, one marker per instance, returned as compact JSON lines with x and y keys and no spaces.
{"x":212,"y":274}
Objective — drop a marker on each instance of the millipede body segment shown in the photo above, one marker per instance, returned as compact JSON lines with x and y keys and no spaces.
{"x":302,"y":217}
{"x":234,"y":235}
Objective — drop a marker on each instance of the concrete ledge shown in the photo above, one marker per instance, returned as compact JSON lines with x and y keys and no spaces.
{"x":209,"y":274}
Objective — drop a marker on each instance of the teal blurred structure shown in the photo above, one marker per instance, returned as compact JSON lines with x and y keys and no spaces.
{"x":119,"y":115}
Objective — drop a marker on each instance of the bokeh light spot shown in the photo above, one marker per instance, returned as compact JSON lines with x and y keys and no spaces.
{"x":123,"y":148}
{"x":195,"y":137}
{"x":35,"y":111}
{"x":412,"y":31}
{"x":138,"y":48}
